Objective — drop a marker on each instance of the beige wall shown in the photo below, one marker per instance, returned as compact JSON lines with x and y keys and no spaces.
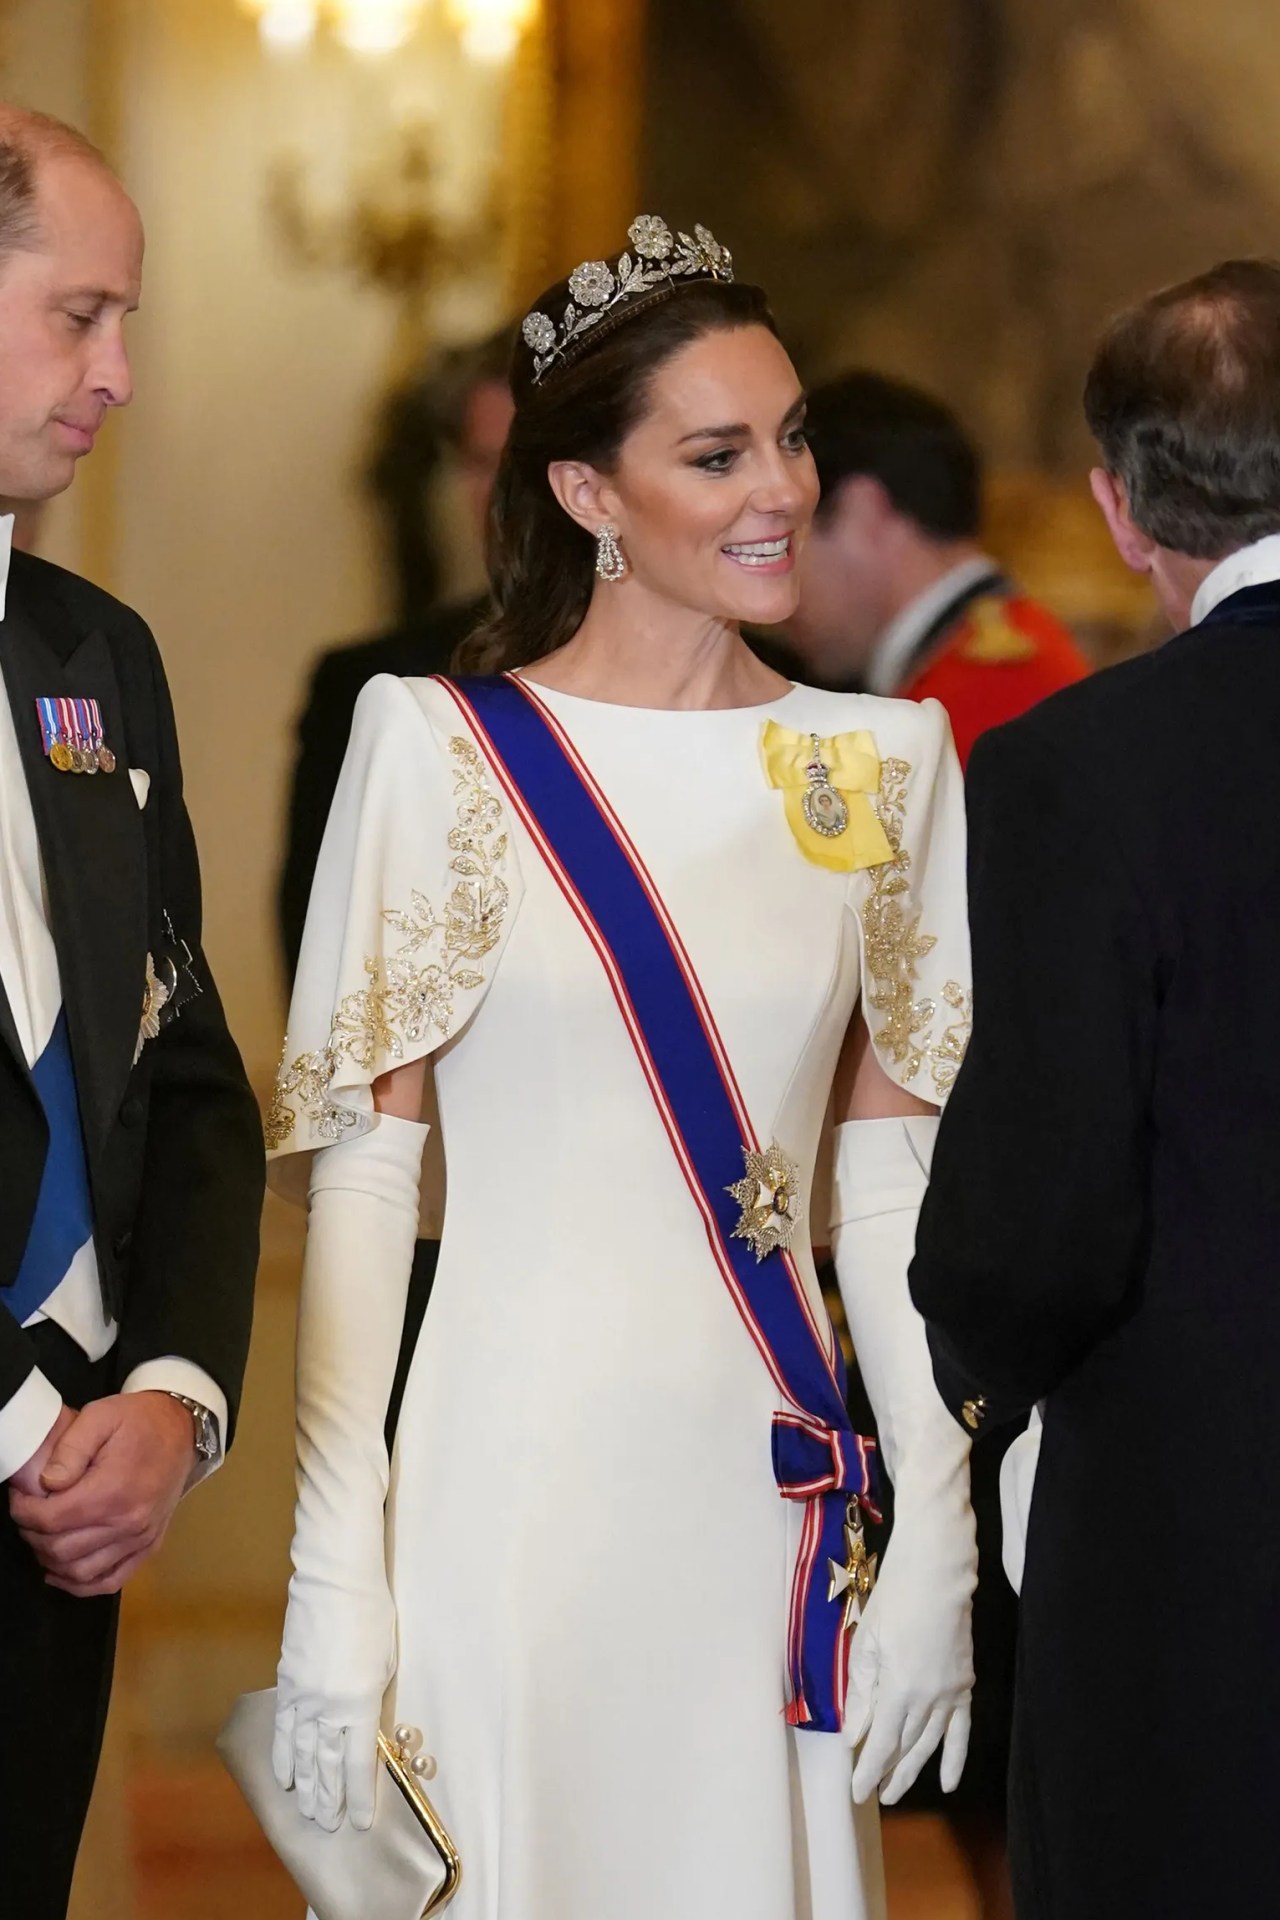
{"x":226,"y":506}
{"x":238,"y":524}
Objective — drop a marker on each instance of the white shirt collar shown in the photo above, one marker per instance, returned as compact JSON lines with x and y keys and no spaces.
{"x":887,"y":667}
{"x":1250,"y":567}
{"x":6,"y":557}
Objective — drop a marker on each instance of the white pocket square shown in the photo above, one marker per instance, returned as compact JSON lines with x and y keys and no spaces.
{"x":1017,"y":1485}
{"x":141,"y":784}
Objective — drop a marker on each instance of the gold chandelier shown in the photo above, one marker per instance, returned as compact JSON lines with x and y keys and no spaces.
{"x":489,"y":29}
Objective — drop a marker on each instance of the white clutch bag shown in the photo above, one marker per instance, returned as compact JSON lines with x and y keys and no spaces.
{"x":403,"y":1867}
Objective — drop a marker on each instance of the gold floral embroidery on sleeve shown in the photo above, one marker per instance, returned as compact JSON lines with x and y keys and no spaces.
{"x":412,"y":994}
{"x":894,"y":944}
{"x":947,"y":1057}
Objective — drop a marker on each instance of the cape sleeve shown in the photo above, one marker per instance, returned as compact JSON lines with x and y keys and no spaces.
{"x":415,"y":892}
{"x":911,"y":911}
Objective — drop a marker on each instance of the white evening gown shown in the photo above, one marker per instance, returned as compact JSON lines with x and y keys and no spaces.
{"x":590,"y":1558}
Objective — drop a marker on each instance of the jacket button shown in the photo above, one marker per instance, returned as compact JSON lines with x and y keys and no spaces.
{"x":132,"y":1111}
{"x":974,"y":1412}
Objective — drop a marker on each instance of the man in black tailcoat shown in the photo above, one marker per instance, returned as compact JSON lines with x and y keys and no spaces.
{"x":1102,"y":1232}
{"x":132,"y":1155}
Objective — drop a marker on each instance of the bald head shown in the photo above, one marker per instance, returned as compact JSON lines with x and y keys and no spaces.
{"x":30,"y":142}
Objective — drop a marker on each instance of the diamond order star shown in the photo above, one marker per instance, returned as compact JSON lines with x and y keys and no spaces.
{"x":769,"y":1195}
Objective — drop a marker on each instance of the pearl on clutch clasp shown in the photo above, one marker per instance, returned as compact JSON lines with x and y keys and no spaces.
{"x":407,"y":1742}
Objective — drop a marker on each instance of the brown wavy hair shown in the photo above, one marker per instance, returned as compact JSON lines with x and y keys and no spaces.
{"x":541,"y":563}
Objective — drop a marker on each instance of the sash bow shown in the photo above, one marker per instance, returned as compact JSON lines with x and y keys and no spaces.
{"x":811,"y":1458}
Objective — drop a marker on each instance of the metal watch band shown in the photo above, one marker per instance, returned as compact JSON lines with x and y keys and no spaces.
{"x":206,"y":1426}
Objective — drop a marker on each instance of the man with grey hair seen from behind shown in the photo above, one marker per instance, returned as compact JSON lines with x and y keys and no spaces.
{"x":1102,"y":1231}
{"x":130,"y":1149}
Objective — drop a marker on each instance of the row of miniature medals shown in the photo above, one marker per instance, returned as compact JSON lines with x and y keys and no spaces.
{"x":74,"y":738}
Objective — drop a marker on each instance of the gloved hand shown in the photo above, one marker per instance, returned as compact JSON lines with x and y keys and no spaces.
{"x":911,"y":1664}
{"x":340,"y":1631}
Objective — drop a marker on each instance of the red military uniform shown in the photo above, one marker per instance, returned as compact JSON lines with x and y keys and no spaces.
{"x":996,"y":654}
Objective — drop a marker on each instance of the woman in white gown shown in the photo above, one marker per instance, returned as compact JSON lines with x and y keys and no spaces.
{"x":578,"y":1575}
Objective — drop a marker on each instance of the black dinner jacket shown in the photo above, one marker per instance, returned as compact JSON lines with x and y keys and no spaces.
{"x":1102,"y":1233}
{"x":1124,"y":902}
{"x":174,"y":1144}
{"x":325,"y":728}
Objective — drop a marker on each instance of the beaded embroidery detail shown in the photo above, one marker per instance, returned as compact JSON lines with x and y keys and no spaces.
{"x":412,"y":995}
{"x":894,"y":944}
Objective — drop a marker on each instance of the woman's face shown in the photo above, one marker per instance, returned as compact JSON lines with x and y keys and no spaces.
{"x":715,"y":488}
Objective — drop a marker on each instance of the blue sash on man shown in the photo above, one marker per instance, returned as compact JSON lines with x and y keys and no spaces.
{"x":817,"y":1457}
{"x":63,"y":1218}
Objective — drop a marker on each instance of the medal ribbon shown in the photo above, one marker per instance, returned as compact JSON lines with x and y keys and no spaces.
{"x":818,"y":1460}
{"x":50,"y":724}
{"x":75,"y":724}
{"x":853,"y":769}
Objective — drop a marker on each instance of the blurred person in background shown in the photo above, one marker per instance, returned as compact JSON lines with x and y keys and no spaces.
{"x":1107,"y":1246}
{"x":896,"y":594}
{"x":132,"y":1148}
{"x":462,"y":409}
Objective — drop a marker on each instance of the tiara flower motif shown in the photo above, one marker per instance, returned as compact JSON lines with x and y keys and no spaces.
{"x":659,"y":258}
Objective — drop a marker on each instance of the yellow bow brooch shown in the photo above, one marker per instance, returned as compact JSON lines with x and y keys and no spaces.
{"x":826,"y":787}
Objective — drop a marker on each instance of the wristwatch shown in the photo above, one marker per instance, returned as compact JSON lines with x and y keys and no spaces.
{"x":208,"y":1444}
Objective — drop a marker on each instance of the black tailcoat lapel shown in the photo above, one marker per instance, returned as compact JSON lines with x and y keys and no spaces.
{"x":94,"y":855}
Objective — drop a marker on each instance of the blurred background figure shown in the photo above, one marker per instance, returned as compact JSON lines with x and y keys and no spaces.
{"x":458,"y":413}
{"x":897,"y":595}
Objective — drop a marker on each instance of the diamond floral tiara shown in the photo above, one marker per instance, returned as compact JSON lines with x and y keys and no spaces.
{"x":661,"y":257}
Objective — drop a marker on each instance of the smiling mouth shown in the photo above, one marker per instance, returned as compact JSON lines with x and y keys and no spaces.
{"x":760,"y":553}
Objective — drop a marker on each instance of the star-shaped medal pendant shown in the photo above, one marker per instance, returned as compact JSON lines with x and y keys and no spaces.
{"x":769,"y":1195}
{"x":857,"y":1577}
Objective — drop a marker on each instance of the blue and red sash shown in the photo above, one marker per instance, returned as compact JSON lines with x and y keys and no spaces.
{"x":817,"y":1457}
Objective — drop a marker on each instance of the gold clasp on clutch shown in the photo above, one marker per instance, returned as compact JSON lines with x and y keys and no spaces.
{"x":409,"y":1767}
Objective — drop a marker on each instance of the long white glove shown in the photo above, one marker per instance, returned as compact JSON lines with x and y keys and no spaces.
{"x":911,"y":1668}
{"x":340,"y":1630}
